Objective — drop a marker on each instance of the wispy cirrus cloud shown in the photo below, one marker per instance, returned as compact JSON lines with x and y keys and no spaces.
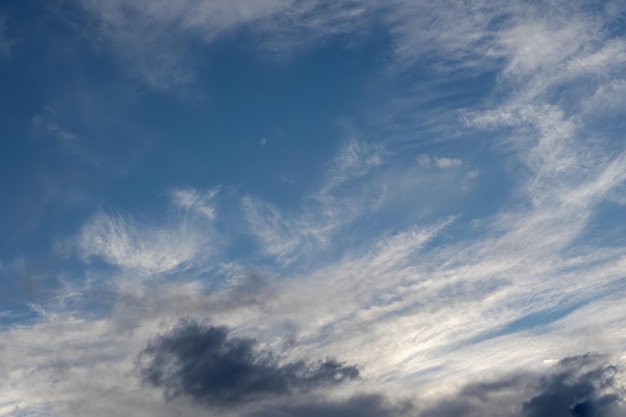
{"x":153,"y":40}
{"x":344,"y":195}
{"x":148,"y":250}
{"x":190,"y":199}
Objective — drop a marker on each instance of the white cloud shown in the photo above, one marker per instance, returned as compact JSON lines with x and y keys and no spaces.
{"x":269,"y":226}
{"x":446,"y":163}
{"x":427,"y":161}
{"x":533,"y":46}
{"x":354,"y":160}
{"x":190,"y":199}
{"x":147,"y":249}
{"x":151,"y":38}
{"x":473,"y":173}
{"x":343,"y":196}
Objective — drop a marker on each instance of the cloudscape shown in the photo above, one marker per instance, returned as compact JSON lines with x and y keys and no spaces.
{"x":313,"y":208}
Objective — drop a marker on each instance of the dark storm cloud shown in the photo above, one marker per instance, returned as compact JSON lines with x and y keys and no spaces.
{"x":208,"y":365}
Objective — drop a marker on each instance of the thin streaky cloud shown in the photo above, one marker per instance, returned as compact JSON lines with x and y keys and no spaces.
{"x":191,"y":199}
{"x":324,"y":211}
{"x":144,"y":249}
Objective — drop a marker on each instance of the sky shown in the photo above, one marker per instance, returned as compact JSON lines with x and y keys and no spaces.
{"x":276,"y":208}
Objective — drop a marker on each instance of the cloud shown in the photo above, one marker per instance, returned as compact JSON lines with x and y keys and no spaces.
{"x":580,"y":386}
{"x":446,"y":163}
{"x":440,"y":162}
{"x":533,"y":47}
{"x":146,"y":249}
{"x":343,"y":196}
{"x":372,"y":405}
{"x":267,"y":224}
{"x":422,"y":301}
{"x":208,"y":365}
{"x":435,"y":298}
{"x":354,"y":160}
{"x":190,"y":199}
{"x":153,"y":39}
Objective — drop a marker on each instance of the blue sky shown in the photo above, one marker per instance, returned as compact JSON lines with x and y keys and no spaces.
{"x":433,"y":193}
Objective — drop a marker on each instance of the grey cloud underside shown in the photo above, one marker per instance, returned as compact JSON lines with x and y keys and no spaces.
{"x":208,"y":365}
{"x":211,"y":367}
{"x":580,"y":386}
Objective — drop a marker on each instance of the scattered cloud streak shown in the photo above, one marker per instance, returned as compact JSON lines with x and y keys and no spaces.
{"x":145,"y":249}
{"x":153,"y":39}
{"x":192,"y":200}
{"x":345,"y":194}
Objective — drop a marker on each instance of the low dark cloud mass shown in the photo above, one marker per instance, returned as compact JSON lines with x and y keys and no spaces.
{"x":581,"y":386}
{"x":208,"y":365}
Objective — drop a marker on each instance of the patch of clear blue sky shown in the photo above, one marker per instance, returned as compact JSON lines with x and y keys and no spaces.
{"x":297,"y":106}
{"x":133,"y":144}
